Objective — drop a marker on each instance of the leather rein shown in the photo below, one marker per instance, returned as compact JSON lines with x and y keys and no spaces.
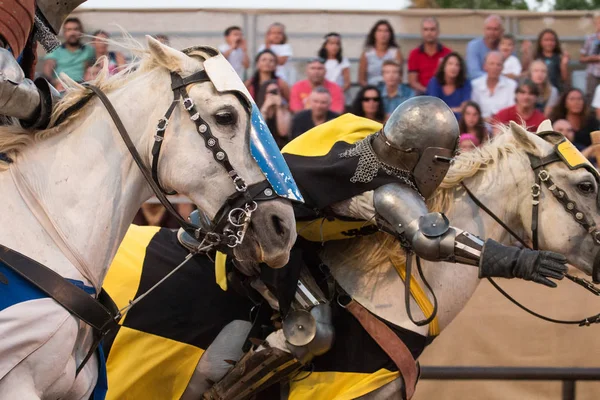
{"x":542,"y":176}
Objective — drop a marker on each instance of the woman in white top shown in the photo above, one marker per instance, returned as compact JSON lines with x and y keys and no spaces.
{"x":380,"y":46}
{"x":538,"y":73}
{"x":276,"y":41}
{"x":337,"y":67}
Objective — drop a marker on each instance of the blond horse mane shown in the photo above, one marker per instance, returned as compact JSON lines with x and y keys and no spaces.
{"x":14,"y":138}
{"x":382,"y":247}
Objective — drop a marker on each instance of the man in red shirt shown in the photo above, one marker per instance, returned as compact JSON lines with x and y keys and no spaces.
{"x":524,"y":109}
{"x":423,"y":60}
{"x":315,"y":74}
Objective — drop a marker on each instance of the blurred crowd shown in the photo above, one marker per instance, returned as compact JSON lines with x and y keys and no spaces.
{"x":492,"y":82}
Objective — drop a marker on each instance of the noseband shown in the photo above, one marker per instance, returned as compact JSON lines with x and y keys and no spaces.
{"x":233,"y":218}
{"x":542,"y":177}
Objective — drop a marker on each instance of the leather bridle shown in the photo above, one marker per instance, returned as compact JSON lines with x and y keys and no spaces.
{"x":542,"y":177}
{"x":233,"y":218}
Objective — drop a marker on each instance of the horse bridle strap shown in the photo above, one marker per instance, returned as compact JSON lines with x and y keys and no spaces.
{"x":223,"y":240}
{"x":571,"y":207}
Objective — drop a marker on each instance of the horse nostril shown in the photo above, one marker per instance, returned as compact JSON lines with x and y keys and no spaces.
{"x":278,"y":225}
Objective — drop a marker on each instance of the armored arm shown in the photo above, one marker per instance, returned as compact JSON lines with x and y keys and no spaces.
{"x":30,"y":102}
{"x":431,"y":237}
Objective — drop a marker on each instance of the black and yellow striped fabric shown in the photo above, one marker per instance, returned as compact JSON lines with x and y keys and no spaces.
{"x":162,"y":338}
{"x":324,"y":177}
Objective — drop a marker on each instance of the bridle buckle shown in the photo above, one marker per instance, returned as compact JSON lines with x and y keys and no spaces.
{"x":544,"y":175}
{"x":162,"y":125}
{"x":536,"y":190}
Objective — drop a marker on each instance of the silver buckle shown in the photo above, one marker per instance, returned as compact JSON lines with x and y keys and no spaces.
{"x":162,"y":128}
{"x":544,"y":175}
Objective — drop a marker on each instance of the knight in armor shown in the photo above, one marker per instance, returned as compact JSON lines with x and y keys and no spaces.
{"x":23,"y":24}
{"x":402,"y":164}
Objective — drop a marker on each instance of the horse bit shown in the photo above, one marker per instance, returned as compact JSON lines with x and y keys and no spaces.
{"x":542,"y":176}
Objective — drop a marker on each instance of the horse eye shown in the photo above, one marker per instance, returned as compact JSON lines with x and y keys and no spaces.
{"x":586,"y":187}
{"x":225,"y":118}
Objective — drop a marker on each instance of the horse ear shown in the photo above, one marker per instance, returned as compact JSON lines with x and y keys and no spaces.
{"x":524,"y":138}
{"x":173,"y":60}
{"x":544,"y":126}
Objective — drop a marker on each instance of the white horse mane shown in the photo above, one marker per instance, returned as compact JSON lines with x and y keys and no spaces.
{"x":381,"y":247}
{"x":14,"y":138}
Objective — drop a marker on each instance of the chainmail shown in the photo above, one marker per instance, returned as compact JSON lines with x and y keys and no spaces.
{"x":369,"y":165}
{"x":44,"y":35}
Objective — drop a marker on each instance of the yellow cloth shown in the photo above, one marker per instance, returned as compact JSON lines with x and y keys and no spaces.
{"x":339,"y":385}
{"x":319,"y":140}
{"x":420,"y":297}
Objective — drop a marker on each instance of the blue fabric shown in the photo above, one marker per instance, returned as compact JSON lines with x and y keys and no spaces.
{"x":101,"y":388}
{"x":476,"y":52}
{"x":265,"y":152}
{"x":455,"y":99}
{"x":390,"y":103}
{"x":19,"y":290}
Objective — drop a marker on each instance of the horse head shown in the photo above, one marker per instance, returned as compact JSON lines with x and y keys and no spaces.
{"x":226,"y":110}
{"x":564,"y":188}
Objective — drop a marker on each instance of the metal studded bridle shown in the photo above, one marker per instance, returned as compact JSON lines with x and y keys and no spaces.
{"x":542,"y":177}
{"x":233,"y":218}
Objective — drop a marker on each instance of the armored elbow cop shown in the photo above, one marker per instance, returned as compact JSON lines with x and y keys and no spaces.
{"x":432,"y":238}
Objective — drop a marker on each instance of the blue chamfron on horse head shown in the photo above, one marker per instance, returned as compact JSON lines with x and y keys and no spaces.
{"x":263,"y":148}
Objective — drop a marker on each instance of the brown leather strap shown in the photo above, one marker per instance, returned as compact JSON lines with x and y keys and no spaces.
{"x":390,"y":343}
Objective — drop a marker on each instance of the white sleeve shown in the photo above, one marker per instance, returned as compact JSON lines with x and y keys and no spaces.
{"x":596,"y":100}
{"x":345,"y":63}
{"x":512,"y":65}
{"x":223,"y":48}
{"x":284,"y":50}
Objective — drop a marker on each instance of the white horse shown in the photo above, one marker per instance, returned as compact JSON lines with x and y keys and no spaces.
{"x":500,"y":175}
{"x":72,"y":191}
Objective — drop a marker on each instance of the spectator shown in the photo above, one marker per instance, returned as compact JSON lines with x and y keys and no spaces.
{"x":265,"y":64}
{"x":596,"y":102}
{"x":380,"y":46}
{"x":115,"y":59}
{"x":424,"y":60}
{"x":572,"y":107}
{"x":590,"y":55}
{"x":565,"y":128}
{"x":548,"y":49}
{"x":512,"y":66}
{"x":478,"y":48}
{"x":471,"y":122}
{"x":315,"y":74}
{"x":91,"y":73}
{"x":319,"y":112}
{"x":393,"y":91}
{"x":524,"y":110}
{"x":276,"y":41}
{"x":538,"y":73}
{"x":235,"y":50}
{"x":493,"y":91}
{"x":164,"y":39}
{"x":450,"y":83}
{"x":73,"y":57}
{"x":275,"y":110}
{"x":368,"y":104}
{"x":337,"y":66}
{"x":467,"y":142}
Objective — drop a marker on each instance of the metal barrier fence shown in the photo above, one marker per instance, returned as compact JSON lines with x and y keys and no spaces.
{"x":568,"y":376}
